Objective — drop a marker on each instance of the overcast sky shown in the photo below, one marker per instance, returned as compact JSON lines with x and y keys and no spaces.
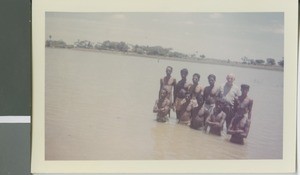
{"x":216,"y":35}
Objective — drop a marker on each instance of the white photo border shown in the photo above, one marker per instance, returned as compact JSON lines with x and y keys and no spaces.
{"x":285,"y":165}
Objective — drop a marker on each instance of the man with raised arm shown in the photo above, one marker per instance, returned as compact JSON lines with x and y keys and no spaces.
{"x":179,"y":91}
{"x":216,"y":119}
{"x":240,"y":124}
{"x":209,"y":97}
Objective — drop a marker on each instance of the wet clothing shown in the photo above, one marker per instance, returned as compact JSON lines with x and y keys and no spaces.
{"x":209,"y":108}
{"x":237,"y":138}
{"x":165,"y":104}
{"x":186,"y":110}
{"x":229,"y":93}
{"x":168,"y":83}
{"x":216,"y":117}
{"x":239,"y":122}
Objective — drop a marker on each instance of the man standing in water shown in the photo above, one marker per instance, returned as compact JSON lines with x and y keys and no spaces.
{"x":209,"y":97}
{"x":179,"y":91}
{"x":228,"y":92}
{"x":188,"y":104}
{"x":168,"y":83}
{"x":240,"y":124}
{"x":196,"y":89}
{"x":210,"y":94}
{"x":216,"y":120}
{"x":162,"y":106}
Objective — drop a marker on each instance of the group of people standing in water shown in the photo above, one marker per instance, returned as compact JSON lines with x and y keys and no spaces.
{"x":210,"y":108}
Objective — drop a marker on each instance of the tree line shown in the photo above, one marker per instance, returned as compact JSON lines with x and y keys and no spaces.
{"x":120,"y":47}
{"x":148,"y":50}
{"x":268,"y":61}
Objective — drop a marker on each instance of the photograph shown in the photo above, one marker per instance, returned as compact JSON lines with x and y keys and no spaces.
{"x":164,"y":87}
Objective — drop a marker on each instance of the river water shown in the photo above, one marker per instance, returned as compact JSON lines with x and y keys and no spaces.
{"x":99,"y":107}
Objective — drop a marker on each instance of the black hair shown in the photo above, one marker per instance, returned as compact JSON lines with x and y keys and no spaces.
{"x":245,"y":86}
{"x":184,"y":70}
{"x":196,"y":74}
{"x":170,"y":67}
{"x":212,"y":76}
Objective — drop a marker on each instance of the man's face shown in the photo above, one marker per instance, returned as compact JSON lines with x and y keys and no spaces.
{"x":211,"y":81}
{"x":195,"y":79}
{"x":245,"y":91}
{"x":187,"y":96}
{"x":163,"y":93}
{"x":230,"y":79}
{"x":183,"y":75}
{"x":169,"y":71}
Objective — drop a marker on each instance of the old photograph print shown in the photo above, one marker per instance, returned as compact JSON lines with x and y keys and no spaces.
{"x":114,"y":88}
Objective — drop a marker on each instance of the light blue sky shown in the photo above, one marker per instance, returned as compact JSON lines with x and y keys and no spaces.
{"x":217,"y":35}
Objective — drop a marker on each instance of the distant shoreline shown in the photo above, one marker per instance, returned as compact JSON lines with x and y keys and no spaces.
{"x":203,"y":61}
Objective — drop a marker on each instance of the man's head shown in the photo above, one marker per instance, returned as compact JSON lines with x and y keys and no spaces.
{"x":245,"y":89}
{"x":230,"y":79}
{"x":169,"y":70}
{"x":163,"y":93}
{"x":184,"y":72}
{"x":187,"y":95}
{"x":211,"y":79}
{"x":196,"y":78}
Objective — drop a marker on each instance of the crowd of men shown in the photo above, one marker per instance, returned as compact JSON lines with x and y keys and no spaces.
{"x":209,"y":108}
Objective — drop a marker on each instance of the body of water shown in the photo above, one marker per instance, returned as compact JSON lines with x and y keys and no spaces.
{"x":99,"y":107}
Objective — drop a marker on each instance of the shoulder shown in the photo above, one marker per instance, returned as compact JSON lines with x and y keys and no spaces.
{"x":216,"y":86}
{"x":194,"y":103}
{"x":223,"y":114}
{"x":173,"y":80}
{"x":187,"y":84}
{"x":251,"y":101}
{"x":167,"y":101}
{"x":199,"y":87}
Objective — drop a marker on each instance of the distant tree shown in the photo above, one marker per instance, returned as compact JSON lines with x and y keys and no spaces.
{"x":260,"y":61}
{"x":58,"y":44}
{"x":48,"y":43}
{"x":281,"y":63}
{"x":85,"y":44}
{"x":245,"y":60}
{"x":252,"y":61}
{"x":271,"y":61}
{"x":202,"y":56}
{"x":140,"y":51}
{"x":98,"y":46}
{"x":105,"y":45}
{"x":122,"y":46}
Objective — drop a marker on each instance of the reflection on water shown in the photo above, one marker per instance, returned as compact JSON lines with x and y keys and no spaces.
{"x":99,"y":107}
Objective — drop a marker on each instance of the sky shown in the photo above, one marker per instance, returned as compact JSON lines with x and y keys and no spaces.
{"x":216,"y":35}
